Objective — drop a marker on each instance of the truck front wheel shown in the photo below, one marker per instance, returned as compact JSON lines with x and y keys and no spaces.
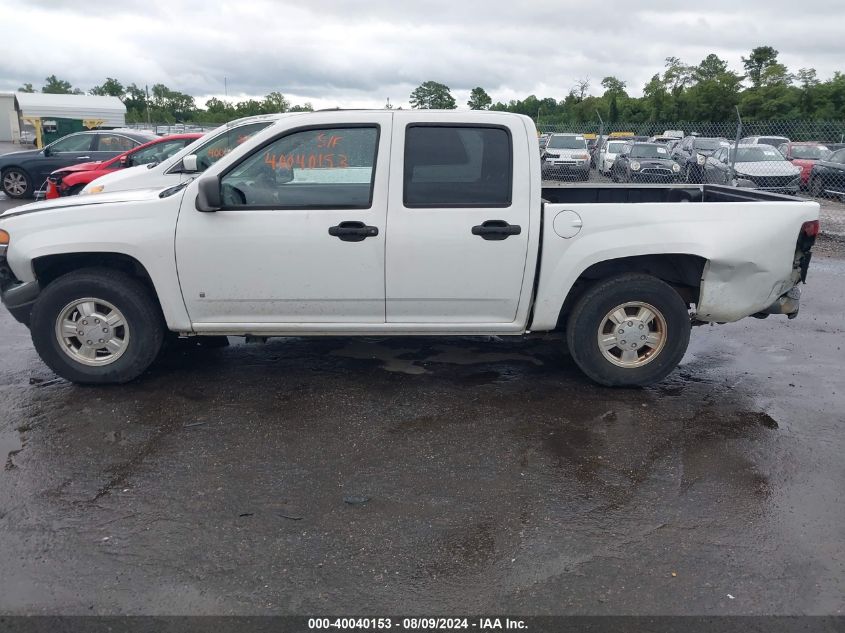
{"x":97,"y":326}
{"x":628,"y":331}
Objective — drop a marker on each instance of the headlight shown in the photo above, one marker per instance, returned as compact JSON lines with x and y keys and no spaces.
{"x":97,"y":189}
{"x":701,"y":159}
{"x":676,"y":168}
{"x":635,"y":166}
{"x":580,"y":156}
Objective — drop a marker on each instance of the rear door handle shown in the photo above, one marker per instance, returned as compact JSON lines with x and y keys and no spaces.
{"x":353,"y":231}
{"x":496,"y":230}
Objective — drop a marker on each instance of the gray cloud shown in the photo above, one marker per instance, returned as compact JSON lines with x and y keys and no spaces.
{"x":349,"y":53}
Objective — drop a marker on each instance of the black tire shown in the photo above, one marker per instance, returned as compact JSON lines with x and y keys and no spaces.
{"x":16,"y":174}
{"x":590,"y":312}
{"x":141,"y":311}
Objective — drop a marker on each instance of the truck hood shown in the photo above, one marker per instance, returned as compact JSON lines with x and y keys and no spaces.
{"x":121,"y":174}
{"x":76,"y":202}
{"x":767,"y":168}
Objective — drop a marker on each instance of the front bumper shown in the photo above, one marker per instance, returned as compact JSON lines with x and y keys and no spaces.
{"x":647,"y":177}
{"x":568,"y":168}
{"x":17,"y":296}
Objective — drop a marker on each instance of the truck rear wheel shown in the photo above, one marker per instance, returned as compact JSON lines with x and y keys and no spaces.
{"x":97,"y":326}
{"x":628,"y":331}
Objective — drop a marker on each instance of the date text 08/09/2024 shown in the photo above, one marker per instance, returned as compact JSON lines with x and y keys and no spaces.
{"x":413,"y":624}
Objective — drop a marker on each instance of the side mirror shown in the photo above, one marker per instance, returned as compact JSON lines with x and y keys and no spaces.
{"x":46,"y":151}
{"x":189,"y":163}
{"x":208,"y":194}
{"x":125,"y":161}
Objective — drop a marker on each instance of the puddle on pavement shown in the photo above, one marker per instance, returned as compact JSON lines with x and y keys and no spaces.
{"x":10,"y":445}
{"x":392,"y":358}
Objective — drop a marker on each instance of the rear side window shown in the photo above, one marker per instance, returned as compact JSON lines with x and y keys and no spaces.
{"x":457,"y":166}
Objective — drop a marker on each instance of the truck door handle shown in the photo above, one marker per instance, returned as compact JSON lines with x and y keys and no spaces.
{"x":353,"y":231}
{"x":496,"y":230}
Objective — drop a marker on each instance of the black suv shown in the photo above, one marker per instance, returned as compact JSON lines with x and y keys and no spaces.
{"x":692,"y":152}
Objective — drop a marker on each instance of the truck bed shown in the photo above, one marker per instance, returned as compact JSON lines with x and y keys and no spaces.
{"x":586,"y":193}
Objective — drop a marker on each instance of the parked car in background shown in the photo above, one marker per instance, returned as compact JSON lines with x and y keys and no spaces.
{"x":827,"y":176}
{"x":189,"y":162}
{"x":804,"y":156}
{"x":665,"y":140}
{"x":25,"y":172}
{"x":692,"y":152}
{"x":762,"y":165}
{"x":566,"y":156}
{"x":774,"y":141}
{"x":608,"y":154}
{"x":69,"y":181}
{"x":644,"y":162}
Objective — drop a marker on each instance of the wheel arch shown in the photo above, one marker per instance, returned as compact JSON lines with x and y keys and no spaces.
{"x":48,"y":268}
{"x":682,"y":271}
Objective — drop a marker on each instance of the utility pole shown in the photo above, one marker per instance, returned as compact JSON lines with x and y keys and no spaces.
{"x":736,"y":143}
{"x":225,"y":87}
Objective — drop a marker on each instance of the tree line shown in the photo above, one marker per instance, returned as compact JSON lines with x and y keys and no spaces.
{"x":707,"y":91}
{"x":160,"y":104}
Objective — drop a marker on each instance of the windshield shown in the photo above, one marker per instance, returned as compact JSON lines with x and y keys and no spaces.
{"x":809,"y":152}
{"x":709,"y":143}
{"x":649,"y":151}
{"x":755,"y":154}
{"x":615,"y":148}
{"x":566,"y":142}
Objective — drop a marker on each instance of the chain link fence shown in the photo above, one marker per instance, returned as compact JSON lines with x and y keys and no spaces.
{"x":799,"y":158}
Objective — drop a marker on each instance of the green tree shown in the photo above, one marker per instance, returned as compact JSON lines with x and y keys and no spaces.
{"x":612,"y":85}
{"x":432,"y":95}
{"x":55,"y":86}
{"x":760,"y":58}
{"x":479,"y":99}
{"x":656,"y":99}
{"x":26,"y":88}
{"x":305,"y":107}
{"x":275,"y":102}
{"x":111,"y":87}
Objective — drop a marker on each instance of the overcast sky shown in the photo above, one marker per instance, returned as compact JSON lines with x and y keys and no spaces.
{"x":357,"y":53}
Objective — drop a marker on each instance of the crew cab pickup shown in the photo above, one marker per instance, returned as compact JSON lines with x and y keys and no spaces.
{"x":398,"y":223}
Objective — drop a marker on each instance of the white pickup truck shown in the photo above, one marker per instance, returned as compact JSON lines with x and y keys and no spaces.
{"x":398,"y":223}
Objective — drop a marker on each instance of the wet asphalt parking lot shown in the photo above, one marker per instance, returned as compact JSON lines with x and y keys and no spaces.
{"x":433,"y":476}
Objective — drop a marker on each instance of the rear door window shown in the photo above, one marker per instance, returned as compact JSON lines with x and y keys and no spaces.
{"x":457,"y":166}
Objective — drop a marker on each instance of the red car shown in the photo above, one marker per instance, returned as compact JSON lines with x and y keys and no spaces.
{"x":68,"y":181}
{"x":804,"y":155}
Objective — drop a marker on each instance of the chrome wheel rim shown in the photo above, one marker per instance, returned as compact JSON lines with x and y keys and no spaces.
{"x":14,"y":183}
{"x":92,"y":332}
{"x":632,"y":334}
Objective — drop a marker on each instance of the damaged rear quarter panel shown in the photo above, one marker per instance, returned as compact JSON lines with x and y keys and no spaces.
{"x":749,"y":248}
